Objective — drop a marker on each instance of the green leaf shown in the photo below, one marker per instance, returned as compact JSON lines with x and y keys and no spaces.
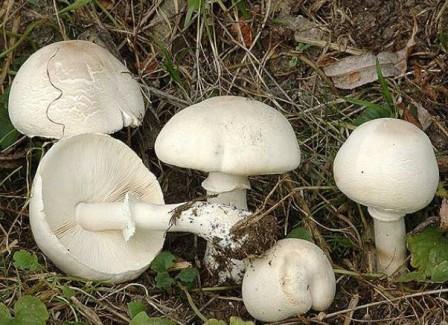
{"x":170,"y":67}
{"x":440,"y":272}
{"x":443,"y":40}
{"x":75,"y":6}
{"x":24,"y":260}
{"x":243,"y":8}
{"x":214,"y":321}
{"x":371,"y":112}
{"x":238,"y":321}
{"x":164,"y":280}
{"x":188,"y":275}
{"x":33,"y":2}
{"x":384,"y":87}
{"x":300,"y":233}
{"x":68,"y":292}
{"x":143,"y":319}
{"x":8,"y":134}
{"x":163,"y":262}
{"x":135,"y":307}
{"x":5,"y":316}
{"x":429,"y":253}
{"x":30,"y":311}
{"x":412,"y":276}
{"x":193,"y":6}
{"x":140,"y":319}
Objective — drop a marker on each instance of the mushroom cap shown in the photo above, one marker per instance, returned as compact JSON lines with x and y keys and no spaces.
{"x":92,"y":168}
{"x":289,"y":279}
{"x":387,"y":164}
{"x":232,"y":135}
{"x":74,"y":87}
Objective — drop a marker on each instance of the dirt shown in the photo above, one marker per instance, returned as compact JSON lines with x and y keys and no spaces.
{"x":380,"y":25}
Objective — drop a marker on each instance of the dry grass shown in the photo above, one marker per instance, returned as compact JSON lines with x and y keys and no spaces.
{"x":178,"y":65}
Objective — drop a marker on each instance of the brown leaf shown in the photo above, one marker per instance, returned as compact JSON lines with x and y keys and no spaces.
{"x":408,"y":116}
{"x":444,"y":215}
{"x":148,"y":65}
{"x":107,"y":4}
{"x":242,"y":30}
{"x":355,"y":71}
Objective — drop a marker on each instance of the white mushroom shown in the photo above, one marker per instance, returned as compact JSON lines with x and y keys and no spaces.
{"x":291,"y":278}
{"x":389,"y":166}
{"x":97,"y":212}
{"x":231,"y":138}
{"x":74,"y":87}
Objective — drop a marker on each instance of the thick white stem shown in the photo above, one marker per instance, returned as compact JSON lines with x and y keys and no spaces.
{"x":230,"y":190}
{"x":212,"y":222}
{"x":390,"y":240}
{"x":227,"y":189}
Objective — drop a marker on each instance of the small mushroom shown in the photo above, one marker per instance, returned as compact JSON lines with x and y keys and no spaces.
{"x":231,"y":138}
{"x":74,"y":87}
{"x":389,"y":166}
{"x":291,"y":278}
{"x":97,"y":212}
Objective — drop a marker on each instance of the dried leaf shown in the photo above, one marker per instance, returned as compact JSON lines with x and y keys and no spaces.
{"x":148,"y":65}
{"x":424,"y":117}
{"x":408,"y":116}
{"x":355,"y":71}
{"x":241,"y":29}
{"x":444,"y":215}
{"x":304,"y":29}
{"x":106,"y":4}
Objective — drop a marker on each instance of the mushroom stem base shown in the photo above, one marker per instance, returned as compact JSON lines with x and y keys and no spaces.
{"x":390,"y":242}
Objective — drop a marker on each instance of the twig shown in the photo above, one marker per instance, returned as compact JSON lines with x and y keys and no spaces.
{"x":192,"y":304}
{"x":418,"y":294}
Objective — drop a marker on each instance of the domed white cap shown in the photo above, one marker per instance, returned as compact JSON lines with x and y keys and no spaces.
{"x":74,"y":87}
{"x":387,"y":164}
{"x":232,"y":135}
{"x":92,"y":168}
{"x":289,"y":279}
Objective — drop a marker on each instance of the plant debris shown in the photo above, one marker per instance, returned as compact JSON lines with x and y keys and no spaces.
{"x":355,"y":71}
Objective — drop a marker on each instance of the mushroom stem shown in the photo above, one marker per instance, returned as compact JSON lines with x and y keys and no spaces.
{"x":231,"y":190}
{"x":390,"y":240}
{"x":227,"y":189}
{"x":210,"y":221}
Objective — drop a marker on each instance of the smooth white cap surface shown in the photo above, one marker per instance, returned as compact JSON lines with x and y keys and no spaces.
{"x":74,"y":87}
{"x":232,"y":135}
{"x":92,"y":168}
{"x":387,"y":164}
{"x":289,"y":279}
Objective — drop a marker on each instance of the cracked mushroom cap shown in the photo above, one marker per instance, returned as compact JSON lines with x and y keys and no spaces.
{"x":387,"y":164}
{"x":74,"y":87}
{"x":92,"y":168}
{"x":291,"y":278}
{"x":232,"y":135}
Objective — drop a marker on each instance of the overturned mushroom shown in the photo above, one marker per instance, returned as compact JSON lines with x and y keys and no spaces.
{"x":97,"y":212}
{"x":389,"y":166}
{"x":74,"y":87}
{"x":231,"y":138}
{"x":291,"y":278}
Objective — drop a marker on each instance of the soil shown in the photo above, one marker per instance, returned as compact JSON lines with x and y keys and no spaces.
{"x":380,"y":25}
